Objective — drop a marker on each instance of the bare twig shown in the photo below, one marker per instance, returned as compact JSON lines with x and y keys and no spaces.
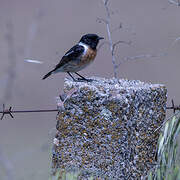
{"x":141,"y":56}
{"x":102,"y":44}
{"x":107,"y":22}
{"x":175,"y":41}
{"x":114,"y":45}
{"x":105,"y":2}
{"x":119,"y":42}
{"x":100,"y":20}
{"x":177,"y":3}
{"x":117,"y":28}
{"x":62,"y":98}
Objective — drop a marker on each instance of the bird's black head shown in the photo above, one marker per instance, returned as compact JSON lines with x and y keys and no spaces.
{"x":91,"y":40}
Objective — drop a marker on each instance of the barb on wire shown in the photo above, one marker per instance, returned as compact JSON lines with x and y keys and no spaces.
{"x":174,"y":107}
{"x":6,"y":111}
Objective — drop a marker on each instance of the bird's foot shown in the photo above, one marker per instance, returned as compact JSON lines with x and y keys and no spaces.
{"x":84,"y":79}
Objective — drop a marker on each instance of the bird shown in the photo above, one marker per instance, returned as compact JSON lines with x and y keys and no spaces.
{"x":78,"y":57}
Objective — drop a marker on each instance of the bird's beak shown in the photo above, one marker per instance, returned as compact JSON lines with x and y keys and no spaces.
{"x":100,"y":38}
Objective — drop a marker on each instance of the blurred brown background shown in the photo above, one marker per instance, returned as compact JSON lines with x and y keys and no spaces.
{"x":45,"y":30}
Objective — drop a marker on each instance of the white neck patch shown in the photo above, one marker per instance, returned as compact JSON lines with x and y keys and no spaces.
{"x":85,"y":47}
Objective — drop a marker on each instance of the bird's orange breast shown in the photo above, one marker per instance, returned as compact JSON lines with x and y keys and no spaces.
{"x":89,"y":56}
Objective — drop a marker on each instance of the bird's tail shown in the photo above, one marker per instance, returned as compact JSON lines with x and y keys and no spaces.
{"x":48,"y":74}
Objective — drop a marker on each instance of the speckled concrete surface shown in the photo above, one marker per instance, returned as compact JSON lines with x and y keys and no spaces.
{"x":107,"y":128}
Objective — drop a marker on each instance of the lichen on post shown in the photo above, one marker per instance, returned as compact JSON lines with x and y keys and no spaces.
{"x":107,"y":128}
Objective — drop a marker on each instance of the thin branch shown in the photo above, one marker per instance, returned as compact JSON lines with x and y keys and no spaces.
{"x":100,"y":20}
{"x":105,"y":2}
{"x":175,"y":41}
{"x":102,"y":44}
{"x":120,"y":42}
{"x":141,"y":56}
{"x":174,"y":2}
{"x":63,"y":98}
{"x":114,"y":45}
{"x":117,"y":28}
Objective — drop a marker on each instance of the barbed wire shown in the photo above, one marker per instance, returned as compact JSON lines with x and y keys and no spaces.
{"x":10,"y":111}
{"x":173,"y":107}
{"x":60,"y":106}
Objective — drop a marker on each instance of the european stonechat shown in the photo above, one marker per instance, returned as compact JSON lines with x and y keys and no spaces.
{"x":78,"y":57}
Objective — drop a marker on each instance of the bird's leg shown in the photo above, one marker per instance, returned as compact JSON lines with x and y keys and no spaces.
{"x":83,"y":78}
{"x":71,"y":76}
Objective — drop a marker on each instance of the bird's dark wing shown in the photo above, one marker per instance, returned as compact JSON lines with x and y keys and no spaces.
{"x":70,"y":55}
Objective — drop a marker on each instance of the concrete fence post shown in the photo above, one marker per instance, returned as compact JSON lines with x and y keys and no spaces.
{"x":107,"y":128}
